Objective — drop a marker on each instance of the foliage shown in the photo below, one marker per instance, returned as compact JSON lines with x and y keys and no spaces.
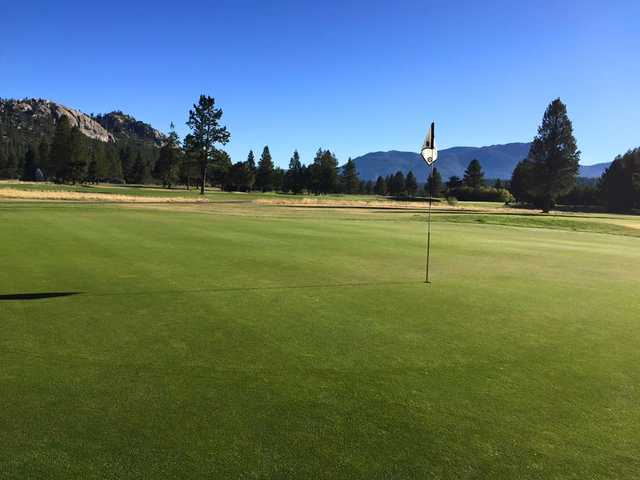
{"x":349,"y":178}
{"x":264,"y":173}
{"x":473,"y":175}
{"x":620,"y":183}
{"x":554,"y":157}
{"x":323,"y":173}
{"x":411,"y":184}
{"x":206,"y":132}
{"x":169,"y":157}
{"x":433,"y":187}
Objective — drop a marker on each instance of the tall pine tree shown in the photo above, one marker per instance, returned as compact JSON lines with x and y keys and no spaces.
{"x":349,"y":178}
{"x":206,"y":132}
{"x":473,"y":175}
{"x":554,"y":157}
{"x":264,"y":173}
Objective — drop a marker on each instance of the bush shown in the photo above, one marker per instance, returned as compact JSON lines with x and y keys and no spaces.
{"x":482,"y":194}
{"x":452,"y":201}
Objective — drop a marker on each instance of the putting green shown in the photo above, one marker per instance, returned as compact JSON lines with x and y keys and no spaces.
{"x":248,"y":341}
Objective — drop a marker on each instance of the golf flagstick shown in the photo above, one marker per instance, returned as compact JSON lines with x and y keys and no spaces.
{"x":429,"y":153}
{"x":429,"y":226}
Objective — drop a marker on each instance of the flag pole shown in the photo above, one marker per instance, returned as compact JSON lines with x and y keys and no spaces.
{"x":429,"y":226}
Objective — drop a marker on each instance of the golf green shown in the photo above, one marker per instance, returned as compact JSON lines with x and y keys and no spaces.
{"x":259,"y":342}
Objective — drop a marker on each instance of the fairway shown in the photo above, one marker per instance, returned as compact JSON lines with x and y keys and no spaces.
{"x":239,"y":340}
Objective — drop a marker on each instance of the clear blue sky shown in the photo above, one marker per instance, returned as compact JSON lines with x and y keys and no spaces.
{"x":353,"y":77}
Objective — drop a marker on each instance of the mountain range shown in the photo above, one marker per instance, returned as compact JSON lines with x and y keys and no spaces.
{"x":498,"y":161}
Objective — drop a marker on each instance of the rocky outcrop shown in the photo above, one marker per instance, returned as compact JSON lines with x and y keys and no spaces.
{"x":41,"y":116}
{"x":124,"y":126}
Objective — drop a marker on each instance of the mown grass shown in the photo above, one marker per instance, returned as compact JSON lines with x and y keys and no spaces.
{"x":242,"y":341}
{"x":586,"y":223}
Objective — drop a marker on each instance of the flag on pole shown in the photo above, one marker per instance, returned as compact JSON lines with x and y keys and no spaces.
{"x":429,"y":151}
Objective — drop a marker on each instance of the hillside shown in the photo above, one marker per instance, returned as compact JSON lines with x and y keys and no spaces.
{"x":29,"y":120}
{"x":498,"y":161}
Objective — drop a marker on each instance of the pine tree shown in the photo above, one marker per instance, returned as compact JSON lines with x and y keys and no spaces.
{"x":92,"y":170}
{"x":139,"y":172}
{"x":473,"y":175}
{"x":397,"y":184}
{"x":278,"y":179}
{"x":79,"y":159}
{"x":30,"y":165}
{"x":453,"y":182}
{"x":368,"y":187}
{"x":324,"y":172}
{"x":349,"y":178}
{"x":434,"y":183}
{"x":60,"y":155}
{"x":620,"y":183}
{"x":44,"y":162}
{"x":206,"y":132}
{"x":264,"y":173}
{"x":554,"y":156}
{"x":166,"y":167}
{"x":250,"y":165}
{"x":411,"y":184}
{"x":521,"y":181}
{"x":380,"y":187}
{"x":220,"y":166}
{"x":294,"y":180}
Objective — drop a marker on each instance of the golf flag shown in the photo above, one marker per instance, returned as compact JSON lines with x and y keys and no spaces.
{"x":429,"y":151}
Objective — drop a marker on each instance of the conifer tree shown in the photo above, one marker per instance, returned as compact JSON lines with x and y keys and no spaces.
{"x":79,"y":159}
{"x":349,"y":178}
{"x":294,"y":179}
{"x":397,"y":184}
{"x":206,"y":132}
{"x":473,"y":175}
{"x":264,"y":173}
{"x":43,"y":157}
{"x":60,"y":155}
{"x":554,"y":156}
{"x":380,"y":187}
{"x":411,"y":184}
{"x":521,"y":182}
{"x":434,"y":185}
{"x":620,"y":183}
{"x":139,"y":172}
{"x":30,"y":165}
{"x":166,"y":167}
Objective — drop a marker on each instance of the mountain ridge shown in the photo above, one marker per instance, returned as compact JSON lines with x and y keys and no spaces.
{"x":497,"y":160}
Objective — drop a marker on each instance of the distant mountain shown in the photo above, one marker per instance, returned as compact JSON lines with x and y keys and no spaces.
{"x":498,"y":161}
{"x":593,"y":171}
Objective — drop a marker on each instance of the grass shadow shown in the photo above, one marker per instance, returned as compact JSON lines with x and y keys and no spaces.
{"x":36,"y":296}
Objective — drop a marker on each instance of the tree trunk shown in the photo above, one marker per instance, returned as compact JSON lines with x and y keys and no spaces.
{"x":204,"y":177}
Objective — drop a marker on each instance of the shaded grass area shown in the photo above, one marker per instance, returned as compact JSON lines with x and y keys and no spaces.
{"x":268,"y":344}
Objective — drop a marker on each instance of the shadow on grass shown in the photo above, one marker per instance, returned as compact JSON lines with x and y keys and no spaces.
{"x":45,"y":295}
{"x":36,"y":296}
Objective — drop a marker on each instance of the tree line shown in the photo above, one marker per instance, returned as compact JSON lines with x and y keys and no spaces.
{"x":547,"y":177}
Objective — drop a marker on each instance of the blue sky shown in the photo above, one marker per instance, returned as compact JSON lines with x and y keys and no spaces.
{"x":353,"y":77}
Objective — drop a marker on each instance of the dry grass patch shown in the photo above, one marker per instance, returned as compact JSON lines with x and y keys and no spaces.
{"x":15,"y":194}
